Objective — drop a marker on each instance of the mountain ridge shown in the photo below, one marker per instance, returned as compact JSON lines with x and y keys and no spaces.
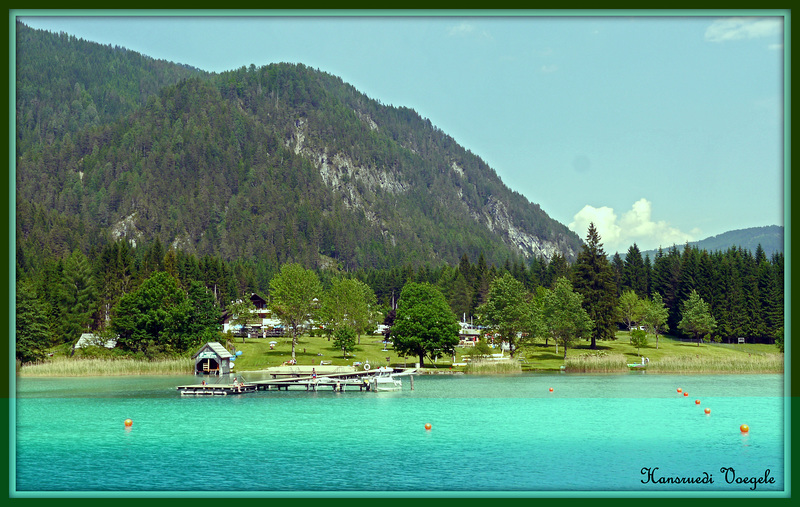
{"x":770,"y":237}
{"x":280,"y":161}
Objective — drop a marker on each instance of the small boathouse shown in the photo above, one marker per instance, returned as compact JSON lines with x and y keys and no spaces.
{"x":212,"y":359}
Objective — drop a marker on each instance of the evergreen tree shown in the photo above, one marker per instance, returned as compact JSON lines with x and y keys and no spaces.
{"x":78,"y":296}
{"x":618,"y":268}
{"x":204,"y":323}
{"x":31,"y":324}
{"x":594,"y":280}
{"x":634,"y":276}
{"x":461,"y":296}
{"x":557,"y":268}
{"x":666,"y":278}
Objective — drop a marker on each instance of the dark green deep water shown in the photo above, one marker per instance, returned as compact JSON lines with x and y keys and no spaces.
{"x":489,"y":434}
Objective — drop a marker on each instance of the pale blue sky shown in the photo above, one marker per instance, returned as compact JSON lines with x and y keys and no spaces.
{"x":658,"y":129}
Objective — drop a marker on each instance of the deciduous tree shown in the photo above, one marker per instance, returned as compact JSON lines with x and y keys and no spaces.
{"x":697,"y":319}
{"x":630,"y":308}
{"x":153,"y":318}
{"x":349,"y":303}
{"x":507,"y":309}
{"x":295,"y":293}
{"x":425,"y":325}
{"x":564,"y":314}
{"x":655,"y":316}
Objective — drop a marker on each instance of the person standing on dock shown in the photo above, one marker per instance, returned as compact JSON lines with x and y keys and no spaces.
{"x":313,"y":373}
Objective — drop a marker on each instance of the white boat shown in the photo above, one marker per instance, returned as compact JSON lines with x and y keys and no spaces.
{"x":384,"y":380}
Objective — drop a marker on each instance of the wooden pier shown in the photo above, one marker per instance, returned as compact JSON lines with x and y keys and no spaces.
{"x":337,"y":382}
{"x":216,"y":389}
{"x":312,"y":384}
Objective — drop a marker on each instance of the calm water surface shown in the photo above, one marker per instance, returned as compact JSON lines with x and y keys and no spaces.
{"x":489,"y":434}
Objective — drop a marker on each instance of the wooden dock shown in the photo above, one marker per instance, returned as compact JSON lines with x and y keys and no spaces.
{"x":216,"y":389}
{"x":312,"y":384}
{"x":337,"y":382}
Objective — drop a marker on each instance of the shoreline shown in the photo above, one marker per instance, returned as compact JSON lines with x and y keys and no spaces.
{"x":425,"y":372}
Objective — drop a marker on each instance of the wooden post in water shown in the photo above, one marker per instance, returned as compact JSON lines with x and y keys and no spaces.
{"x":411,"y":377}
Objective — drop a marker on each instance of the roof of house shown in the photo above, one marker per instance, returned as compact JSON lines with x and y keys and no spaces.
{"x":218,"y":349}
{"x":255,"y":298}
{"x":91,"y":340}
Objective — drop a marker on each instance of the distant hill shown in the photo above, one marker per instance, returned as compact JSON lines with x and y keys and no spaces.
{"x":769,"y":237}
{"x":276,"y":163}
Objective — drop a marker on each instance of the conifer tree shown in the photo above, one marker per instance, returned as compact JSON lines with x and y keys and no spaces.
{"x":31,"y":324}
{"x":634,"y":276}
{"x":594,"y":281}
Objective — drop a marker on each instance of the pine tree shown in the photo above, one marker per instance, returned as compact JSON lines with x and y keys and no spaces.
{"x":618,"y":268}
{"x":78,"y":296}
{"x":634,"y":276}
{"x":666,"y":278}
{"x":31,"y":324}
{"x":594,"y":280}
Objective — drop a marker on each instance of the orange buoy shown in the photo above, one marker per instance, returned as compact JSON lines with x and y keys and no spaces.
{"x":128,"y":422}
{"x":696,"y":402}
{"x":708,"y":410}
{"x":679,"y":389}
{"x":551,"y":389}
{"x":428,"y":426}
{"x":744,"y":428}
{"x":686,"y":394}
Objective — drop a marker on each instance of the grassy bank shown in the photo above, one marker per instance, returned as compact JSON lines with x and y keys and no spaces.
{"x":596,"y":362}
{"x":756,"y":363}
{"x":493,"y":367}
{"x":672,"y":356}
{"x":85,"y":367}
{"x":675,"y":356}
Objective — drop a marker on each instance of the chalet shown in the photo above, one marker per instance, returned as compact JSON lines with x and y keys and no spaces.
{"x":212,"y":359}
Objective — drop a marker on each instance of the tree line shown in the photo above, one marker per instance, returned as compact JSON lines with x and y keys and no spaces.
{"x":59,"y":297}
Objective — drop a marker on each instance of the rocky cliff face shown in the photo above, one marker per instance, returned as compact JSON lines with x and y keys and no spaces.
{"x":352,"y":181}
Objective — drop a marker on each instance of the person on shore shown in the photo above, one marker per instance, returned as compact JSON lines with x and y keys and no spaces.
{"x":313,"y":373}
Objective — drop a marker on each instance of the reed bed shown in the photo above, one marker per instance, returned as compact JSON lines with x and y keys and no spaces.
{"x":493,"y":367}
{"x":64,"y":367}
{"x":601,"y":362}
{"x":753,"y":363}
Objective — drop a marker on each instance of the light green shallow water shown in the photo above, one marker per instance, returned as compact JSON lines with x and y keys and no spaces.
{"x":498,"y":433}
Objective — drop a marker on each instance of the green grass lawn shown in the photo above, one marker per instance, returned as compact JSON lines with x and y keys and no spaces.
{"x":671,"y":356}
{"x":256,"y":354}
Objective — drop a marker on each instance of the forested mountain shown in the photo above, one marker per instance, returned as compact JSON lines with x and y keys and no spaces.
{"x":277,"y":163}
{"x":65,"y":84}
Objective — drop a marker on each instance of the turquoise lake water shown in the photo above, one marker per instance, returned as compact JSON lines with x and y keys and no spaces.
{"x":488,"y":434}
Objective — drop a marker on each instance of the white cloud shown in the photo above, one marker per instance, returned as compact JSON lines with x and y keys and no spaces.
{"x":743,"y":28}
{"x":775,"y":47}
{"x":549,"y":69}
{"x":634,"y":226}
